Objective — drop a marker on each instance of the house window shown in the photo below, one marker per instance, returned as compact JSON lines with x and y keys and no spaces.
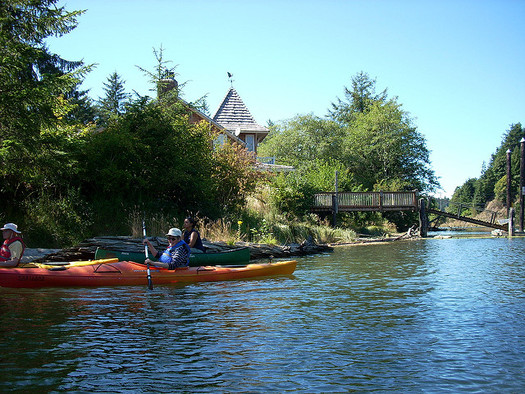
{"x":250,"y":143}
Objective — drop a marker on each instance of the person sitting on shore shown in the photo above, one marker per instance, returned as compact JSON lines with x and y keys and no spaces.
{"x":13,"y":246}
{"x":192,"y":236}
{"x":175,"y":256}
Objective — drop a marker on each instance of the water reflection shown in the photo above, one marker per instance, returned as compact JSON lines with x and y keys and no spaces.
{"x":433,"y":315}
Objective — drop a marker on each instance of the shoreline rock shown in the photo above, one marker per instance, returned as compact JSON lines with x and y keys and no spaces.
{"x":86,"y":249}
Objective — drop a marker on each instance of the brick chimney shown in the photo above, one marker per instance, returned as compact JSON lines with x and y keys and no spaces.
{"x":166,"y":85}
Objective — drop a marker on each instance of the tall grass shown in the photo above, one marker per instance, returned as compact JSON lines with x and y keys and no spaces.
{"x":157,"y":224}
{"x":66,"y":222}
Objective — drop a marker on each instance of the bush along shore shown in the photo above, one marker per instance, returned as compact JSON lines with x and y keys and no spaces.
{"x":86,"y":249}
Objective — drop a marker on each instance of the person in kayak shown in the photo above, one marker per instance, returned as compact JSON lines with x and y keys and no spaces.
{"x":176,"y":255}
{"x":13,"y":248}
{"x":192,"y":236}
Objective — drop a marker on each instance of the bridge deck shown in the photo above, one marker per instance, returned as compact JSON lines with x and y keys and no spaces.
{"x":365,"y":201}
{"x":331,"y":202}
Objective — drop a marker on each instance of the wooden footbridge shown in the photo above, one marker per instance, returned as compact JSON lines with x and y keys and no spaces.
{"x":365,"y":201}
{"x":334,"y":202}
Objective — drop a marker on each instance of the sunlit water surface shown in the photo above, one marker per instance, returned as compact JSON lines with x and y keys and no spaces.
{"x":422,"y":316}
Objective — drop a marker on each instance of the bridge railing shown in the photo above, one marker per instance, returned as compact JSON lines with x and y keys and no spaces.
{"x":365,"y":201}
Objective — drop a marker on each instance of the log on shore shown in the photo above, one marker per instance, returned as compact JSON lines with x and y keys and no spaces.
{"x":86,"y":249}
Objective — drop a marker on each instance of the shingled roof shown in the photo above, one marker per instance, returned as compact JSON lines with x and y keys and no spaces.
{"x":233,"y":115}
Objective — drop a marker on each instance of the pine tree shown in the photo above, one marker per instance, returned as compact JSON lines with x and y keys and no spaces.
{"x":114,"y":103}
{"x":34,"y":84}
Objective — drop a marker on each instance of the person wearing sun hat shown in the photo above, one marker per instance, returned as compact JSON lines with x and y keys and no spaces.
{"x":13,"y":247}
{"x":175,"y":256}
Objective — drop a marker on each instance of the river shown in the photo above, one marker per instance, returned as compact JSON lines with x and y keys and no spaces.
{"x":434,"y":315}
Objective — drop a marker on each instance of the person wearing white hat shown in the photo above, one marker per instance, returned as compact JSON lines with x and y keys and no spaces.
{"x":13,"y":247}
{"x":175,"y":256}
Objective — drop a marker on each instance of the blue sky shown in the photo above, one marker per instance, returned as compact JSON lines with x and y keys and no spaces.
{"x":456,"y":66}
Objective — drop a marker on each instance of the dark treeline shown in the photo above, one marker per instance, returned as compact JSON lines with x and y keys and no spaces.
{"x":492,"y":183}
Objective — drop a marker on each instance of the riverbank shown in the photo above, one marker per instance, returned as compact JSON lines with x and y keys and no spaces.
{"x":86,"y":250}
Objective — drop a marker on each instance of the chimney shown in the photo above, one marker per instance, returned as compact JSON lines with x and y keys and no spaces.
{"x":166,"y":85}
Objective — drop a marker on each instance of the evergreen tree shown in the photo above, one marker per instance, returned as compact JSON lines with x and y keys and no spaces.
{"x":463,"y":197}
{"x":112,"y":105}
{"x":82,"y":109}
{"x":492,"y":180}
{"x":34,"y":84}
{"x":371,"y":135}
{"x":359,"y":99}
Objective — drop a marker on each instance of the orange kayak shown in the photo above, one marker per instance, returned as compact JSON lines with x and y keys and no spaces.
{"x":129,"y":273}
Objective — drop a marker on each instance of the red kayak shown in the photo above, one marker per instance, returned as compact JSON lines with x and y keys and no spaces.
{"x":129,"y":273}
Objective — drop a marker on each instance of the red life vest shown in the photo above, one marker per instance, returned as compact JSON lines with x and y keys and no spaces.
{"x":5,"y":253}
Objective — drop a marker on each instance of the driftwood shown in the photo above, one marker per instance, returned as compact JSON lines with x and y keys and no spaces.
{"x":86,"y":249}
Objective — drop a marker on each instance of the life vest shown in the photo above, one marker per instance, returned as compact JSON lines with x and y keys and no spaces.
{"x":198,"y":243}
{"x":5,"y":252}
{"x":167,"y":257}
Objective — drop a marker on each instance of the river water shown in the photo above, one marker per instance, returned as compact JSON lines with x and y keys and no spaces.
{"x":436,"y":315}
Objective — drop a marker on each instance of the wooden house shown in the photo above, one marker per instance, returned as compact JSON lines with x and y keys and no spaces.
{"x":196,"y":116}
{"x":235,"y":117}
{"x":232,"y":121}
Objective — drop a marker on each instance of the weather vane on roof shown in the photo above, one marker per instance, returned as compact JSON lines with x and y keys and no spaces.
{"x":230,"y":77}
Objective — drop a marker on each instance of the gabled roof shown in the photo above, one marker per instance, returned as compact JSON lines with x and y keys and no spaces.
{"x":233,"y":115}
{"x":168,"y":84}
{"x":205,"y":117}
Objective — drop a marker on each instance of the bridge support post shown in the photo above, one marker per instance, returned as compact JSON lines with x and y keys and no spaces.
{"x":335,"y":209}
{"x":509,"y":198}
{"x":522,"y":181}
{"x":423,"y":219}
{"x":511,"y":222}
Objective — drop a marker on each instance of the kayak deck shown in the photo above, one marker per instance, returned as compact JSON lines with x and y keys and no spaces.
{"x":129,"y":273}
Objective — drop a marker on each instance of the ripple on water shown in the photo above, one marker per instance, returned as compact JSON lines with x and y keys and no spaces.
{"x":435,"y":315}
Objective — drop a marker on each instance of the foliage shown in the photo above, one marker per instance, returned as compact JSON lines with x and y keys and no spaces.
{"x":113,"y":104}
{"x":38,"y":131}
{"x":162,"y":76}
{"x":500,"y":190}
{"x":463,"y":197}
{"x":145,"y":154}
{"x":368,"y":134}
{"x":32,"y":78}
{"x":302,"y":139}
{"x":357,"y":100}
{"x":382,"y":146}
{"x":260,"y":228}
{"x":154,"y":153}
{"x":321,"y":174}
{"x":492,"y":183}
{"x":233,"y":177}
{"x":57,"y":222}
{"x":292,"y":195}
{"x":367,"y":137}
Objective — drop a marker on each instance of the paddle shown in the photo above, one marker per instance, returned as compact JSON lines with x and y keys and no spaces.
{"x":150,"y":283}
